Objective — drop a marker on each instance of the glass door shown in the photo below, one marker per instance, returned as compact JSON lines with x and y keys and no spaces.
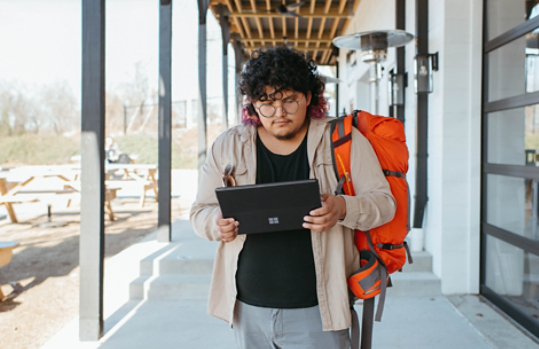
{"x":510,"y":159}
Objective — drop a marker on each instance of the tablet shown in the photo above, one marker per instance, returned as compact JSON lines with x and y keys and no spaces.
{"x":272,"y":207}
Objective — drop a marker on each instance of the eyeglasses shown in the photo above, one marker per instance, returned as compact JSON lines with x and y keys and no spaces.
{"x":268,"y":110}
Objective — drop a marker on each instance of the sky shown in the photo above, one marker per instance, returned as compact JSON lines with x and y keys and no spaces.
{"x":40,"y":43}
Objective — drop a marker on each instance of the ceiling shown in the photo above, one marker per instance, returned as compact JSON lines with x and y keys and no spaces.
{"x":259,"y":24}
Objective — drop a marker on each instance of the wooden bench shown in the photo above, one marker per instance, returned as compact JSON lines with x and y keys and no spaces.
{"x":6,"y":252}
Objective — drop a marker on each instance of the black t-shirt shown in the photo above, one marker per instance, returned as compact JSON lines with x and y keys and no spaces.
{"x":277,"y":270}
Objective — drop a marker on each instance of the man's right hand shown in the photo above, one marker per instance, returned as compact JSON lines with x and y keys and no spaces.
{"x":228,"y":228}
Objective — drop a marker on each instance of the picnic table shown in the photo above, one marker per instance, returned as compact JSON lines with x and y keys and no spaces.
{"x":143,"y":174}
{"x":18,"y":186}
{"x":14,"y":188}
{"x":6,"y":252}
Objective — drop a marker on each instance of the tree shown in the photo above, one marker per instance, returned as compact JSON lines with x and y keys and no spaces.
{"x":16,"y":109}
{"x":58,"y":106}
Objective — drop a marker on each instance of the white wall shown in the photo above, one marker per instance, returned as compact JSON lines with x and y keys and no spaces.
{"x":370,"y":15}
{"x":456,"y":113}
{"x":451,"y":223}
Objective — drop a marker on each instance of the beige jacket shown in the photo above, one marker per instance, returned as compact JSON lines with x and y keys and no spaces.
{"x":335,"y":255}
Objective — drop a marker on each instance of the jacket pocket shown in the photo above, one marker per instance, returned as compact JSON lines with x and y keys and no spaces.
{"x":325,"y":172}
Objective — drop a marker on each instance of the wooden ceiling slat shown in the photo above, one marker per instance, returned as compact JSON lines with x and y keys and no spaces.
{"x":310,"y":24}
{"x":257,"y":20}
{"x":334,"y":28}
{"x":244,"y":21}
{"x":313,"y":4}
{"x":341,"y":5}
{"x":297,"y":23}
{"x":322,"y":25}
{"x":270,"y":20}
{"x":326,"y":7}
{"x":316,"y":46}
{"x":321,"y":28}
{"x":236,"y":20}
{"x":289,"y":40}
{"x":302,"y":37}
{"x":300,"y":47}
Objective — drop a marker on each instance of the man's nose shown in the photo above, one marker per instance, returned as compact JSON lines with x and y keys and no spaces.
{"x":279,"y":111}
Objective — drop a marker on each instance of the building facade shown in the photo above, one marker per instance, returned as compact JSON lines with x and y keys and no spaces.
{"x":480,"y":222}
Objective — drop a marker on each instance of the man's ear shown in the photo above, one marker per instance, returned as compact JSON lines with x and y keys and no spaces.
{"x":308,"y":98}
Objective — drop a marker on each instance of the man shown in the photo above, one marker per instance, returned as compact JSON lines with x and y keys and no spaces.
{"x":288,"y":289}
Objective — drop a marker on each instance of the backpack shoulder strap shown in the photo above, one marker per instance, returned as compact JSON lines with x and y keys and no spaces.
{"x":341,"y":137}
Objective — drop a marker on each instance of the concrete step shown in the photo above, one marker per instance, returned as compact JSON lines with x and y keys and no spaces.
{"x":170,"y":287}
{"x":188,"y":254}
{"x":414,"y":284}
{"x":179,"y":266}
{"x":422,"y":263}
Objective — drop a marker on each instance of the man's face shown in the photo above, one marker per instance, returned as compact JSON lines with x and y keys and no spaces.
{"x":285,"y":123}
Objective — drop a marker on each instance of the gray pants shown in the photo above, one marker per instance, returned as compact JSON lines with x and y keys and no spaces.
{"x":271,"y":328}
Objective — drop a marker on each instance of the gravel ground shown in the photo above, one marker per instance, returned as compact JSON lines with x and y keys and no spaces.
{"x":47,"y":266}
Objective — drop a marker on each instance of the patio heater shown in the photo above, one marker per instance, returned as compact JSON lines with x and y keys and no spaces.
{"x":373,"y":46}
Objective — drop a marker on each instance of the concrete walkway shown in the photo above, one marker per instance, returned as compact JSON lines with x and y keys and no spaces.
{"x":464,"y":322}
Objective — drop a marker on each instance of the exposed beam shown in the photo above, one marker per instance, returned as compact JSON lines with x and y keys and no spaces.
{"x":310,"y":23}
{"x":322,"y":26}
{"x":309,"y":28}
{"x":326,"y":7}
{"x":301,"y":39}
{"x":297,"y":23}
{"x":257,"y":20}
{"x":301,"y":46}
{"x":341,"y":5}
{"x":270,"y":20}
{"x":238,"y":27}
{"x":318,"y":13}
{"x":334,"y":27}
{"x":244,"y":20}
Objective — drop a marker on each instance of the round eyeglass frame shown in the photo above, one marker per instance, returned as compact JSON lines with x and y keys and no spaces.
{"x":275,"y":108}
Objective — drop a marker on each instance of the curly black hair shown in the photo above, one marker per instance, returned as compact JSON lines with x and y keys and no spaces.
{"x":282,"y":68}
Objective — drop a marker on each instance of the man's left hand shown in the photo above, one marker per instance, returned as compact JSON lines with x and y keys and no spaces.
{"x":333,"y":209}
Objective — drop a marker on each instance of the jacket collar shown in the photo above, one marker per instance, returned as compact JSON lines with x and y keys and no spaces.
{"x":316,"y":131}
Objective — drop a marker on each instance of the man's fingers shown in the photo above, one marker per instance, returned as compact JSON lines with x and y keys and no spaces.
{"x":224,"y":222}
{"x":320,"y":211}
{"x":229,"y":236}
{"x":315,"y":227}
{"x":317,"y":220}
{"x":228,"y":228}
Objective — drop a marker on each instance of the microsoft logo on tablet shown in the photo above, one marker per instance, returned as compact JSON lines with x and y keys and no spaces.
{"x":273,"y":220}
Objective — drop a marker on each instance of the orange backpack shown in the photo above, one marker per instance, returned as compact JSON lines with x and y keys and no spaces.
{"x":382,"y":249}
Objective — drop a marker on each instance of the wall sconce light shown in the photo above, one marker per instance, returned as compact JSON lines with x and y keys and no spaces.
{"x":423,"y":71}
{"x":396,"y":84}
